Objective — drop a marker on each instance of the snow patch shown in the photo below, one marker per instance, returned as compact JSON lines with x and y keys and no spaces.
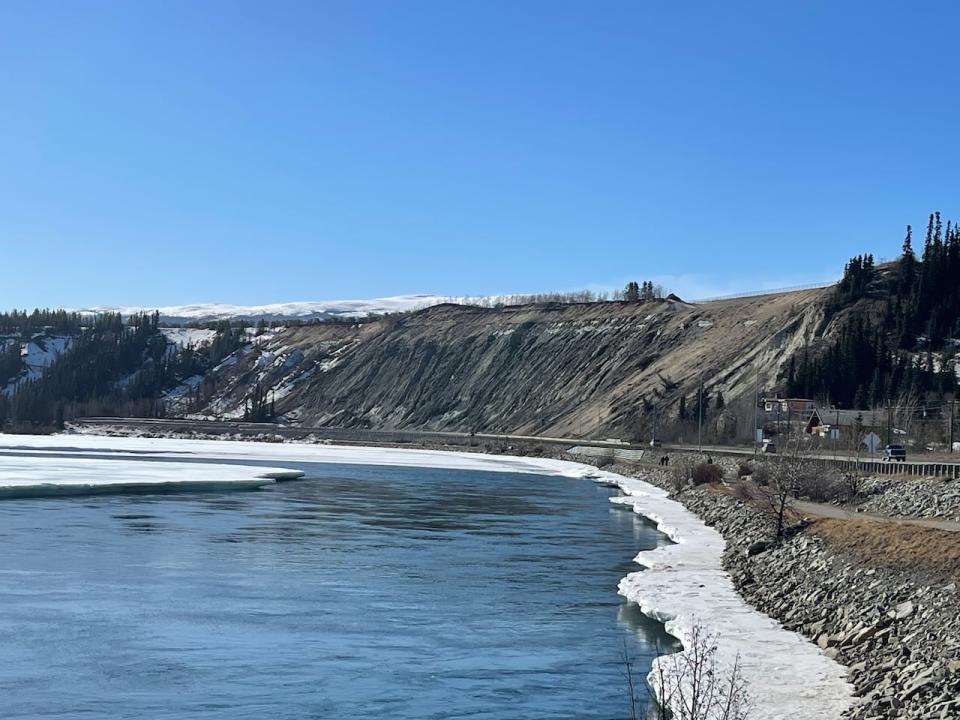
{"x":306,"y":310}
{"x":183,"y":337}
{"x":37,"y":355}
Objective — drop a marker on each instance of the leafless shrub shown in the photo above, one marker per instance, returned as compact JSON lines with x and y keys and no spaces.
{"x":630,"y":675}
{"x":784,"y":476}
{"x":741,"y":491}
{"x":568,"y":297}
{"x":681,"y":471}
{"x":820,"y":485}
{"x":693,"y":684}
{"x":852,"y":484}
{"x":761,"y":474}
{"x":706,"y":473}
{"x":744,"y":468}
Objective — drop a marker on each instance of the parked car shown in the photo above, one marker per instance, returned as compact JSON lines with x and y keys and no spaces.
{"x":769,"y":447}
{"x":656,"y":444}
{"x":896,"y":453}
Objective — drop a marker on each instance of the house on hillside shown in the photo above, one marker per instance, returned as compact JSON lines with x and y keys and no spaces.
{"x":785,"y":416}
{"x":850,"y":423}
{"x":801,"y":407}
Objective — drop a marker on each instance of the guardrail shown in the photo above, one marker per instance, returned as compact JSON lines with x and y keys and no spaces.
{"x":772,"y":291}
{"x":919,"y":469}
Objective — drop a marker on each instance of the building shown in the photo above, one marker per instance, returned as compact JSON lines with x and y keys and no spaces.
{"x":850,"y":423}
{"x":799,"y":407}
{"x":785,"y":416}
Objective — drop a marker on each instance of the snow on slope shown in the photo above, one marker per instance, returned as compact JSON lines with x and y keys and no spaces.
{"x":181,"y":337}
{"x":789,"y":678}
{"x":308,"y":310}
{"x":41,"y":351}
{"x":37,"y":355}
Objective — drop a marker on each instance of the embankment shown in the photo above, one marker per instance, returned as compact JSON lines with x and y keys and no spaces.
{"x":880,"y":598}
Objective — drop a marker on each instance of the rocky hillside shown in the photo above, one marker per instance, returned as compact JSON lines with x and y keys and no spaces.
{"x":563,"y":369}
{"x":882,"y":600}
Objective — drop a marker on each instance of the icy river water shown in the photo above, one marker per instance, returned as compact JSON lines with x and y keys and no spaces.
{"x":357,"y":592}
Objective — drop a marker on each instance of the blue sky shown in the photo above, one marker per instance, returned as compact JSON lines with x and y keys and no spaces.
{"x":171,"y":152}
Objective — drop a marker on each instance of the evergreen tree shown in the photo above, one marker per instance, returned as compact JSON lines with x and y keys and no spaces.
{"x":869,"y":362}
{"x":908,"y":261}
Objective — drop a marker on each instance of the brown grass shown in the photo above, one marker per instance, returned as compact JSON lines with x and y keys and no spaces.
{"x":893,"y":544}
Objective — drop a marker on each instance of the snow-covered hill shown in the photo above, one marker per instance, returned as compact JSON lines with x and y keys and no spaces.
{"x":36,"y":354}
{"x":308,"y":310}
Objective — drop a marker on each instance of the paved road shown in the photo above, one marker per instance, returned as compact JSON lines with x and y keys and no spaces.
{"x":924,"y":467}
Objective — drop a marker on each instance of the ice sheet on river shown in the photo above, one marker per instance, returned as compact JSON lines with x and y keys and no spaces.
{"x":263,"y":451}
{"x":789,"y":677}
{"x":24,"y":476}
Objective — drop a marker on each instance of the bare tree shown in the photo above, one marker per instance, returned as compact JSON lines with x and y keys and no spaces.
{"x":781,"y":482}
{"x":681,"y":471}
{"x":822,"y":484}
{"x":628,"y":671}
{"x":852,"y":485}
{"x":694,"y":685}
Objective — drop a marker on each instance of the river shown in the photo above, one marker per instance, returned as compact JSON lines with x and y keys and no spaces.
{"x":357,"y":592}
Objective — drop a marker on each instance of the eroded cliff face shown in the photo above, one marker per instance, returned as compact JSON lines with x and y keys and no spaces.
{"x":551,"y":369}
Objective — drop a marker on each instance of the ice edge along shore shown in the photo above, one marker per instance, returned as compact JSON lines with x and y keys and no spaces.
{"x":57,"y":475}
{"x":682,"y":583}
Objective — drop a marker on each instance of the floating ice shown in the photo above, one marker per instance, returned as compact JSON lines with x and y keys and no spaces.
{"x":57,"y":475}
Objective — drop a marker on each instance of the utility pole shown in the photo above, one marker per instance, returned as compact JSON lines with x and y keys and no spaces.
{"x":836,"y":436}
{"x":923,"y":428}
{"x":700,"y":419}
{"x":889,"y":424}
{"x":756,"y":411}
{"x":953,"y":404}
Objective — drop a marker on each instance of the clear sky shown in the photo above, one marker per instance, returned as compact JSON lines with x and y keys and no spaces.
{"x":171,"y":152}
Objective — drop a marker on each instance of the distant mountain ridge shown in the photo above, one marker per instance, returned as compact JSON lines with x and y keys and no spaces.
{"x":305,"y":310}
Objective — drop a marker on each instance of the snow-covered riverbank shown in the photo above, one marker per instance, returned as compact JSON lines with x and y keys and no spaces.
{"x":684,"y":583}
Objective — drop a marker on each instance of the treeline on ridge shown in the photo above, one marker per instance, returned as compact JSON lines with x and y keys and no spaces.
{"x":898,"y":346}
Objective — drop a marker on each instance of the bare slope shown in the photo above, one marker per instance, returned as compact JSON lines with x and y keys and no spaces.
{"x":558,"y":369}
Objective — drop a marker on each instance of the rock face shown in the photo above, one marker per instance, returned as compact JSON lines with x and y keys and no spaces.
{"x":555,"y":369}
{"x":897,"y":630}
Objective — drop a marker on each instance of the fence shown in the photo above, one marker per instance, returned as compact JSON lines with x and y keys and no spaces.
{"x":771,"y":291}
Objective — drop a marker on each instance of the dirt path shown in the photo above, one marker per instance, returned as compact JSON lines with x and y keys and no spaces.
{"x":832,"y":511}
